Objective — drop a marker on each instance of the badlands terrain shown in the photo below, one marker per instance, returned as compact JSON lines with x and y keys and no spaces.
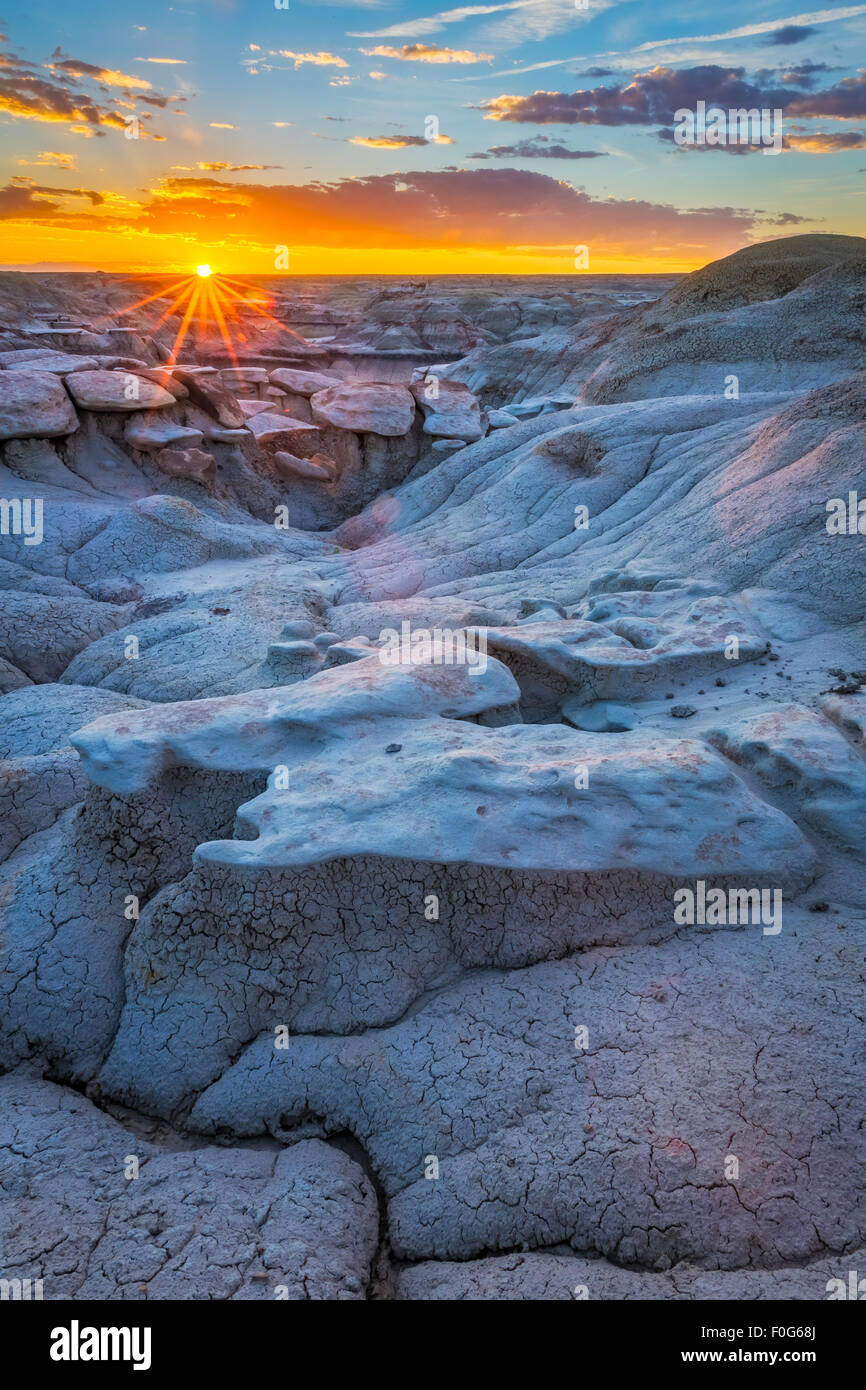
{"x":331,"y":975}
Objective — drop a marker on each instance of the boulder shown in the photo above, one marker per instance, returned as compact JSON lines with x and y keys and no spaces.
{"x":450,"y":409}
{"x":156,"y":431}
{"x":34,"y":404}
{"x":268,"y":427}
{"x":59,"y":362}
{"x":213,"y":398}
{"x":366,"y":408}
{"x":194,"y":464}
{"x":319,"y":466}
{"x":160,"y":375}
{"x":303,"y":383}
{"x":117,"y":391}
{"x":239,"y":377}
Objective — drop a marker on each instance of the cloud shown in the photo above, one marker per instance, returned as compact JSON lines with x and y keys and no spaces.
{"x":427,"y":53}
{"x":27,"y":93}
{"x":827,"y":142}
{"x":811,"y":142}
{"x":220,"y":166}
{"x":792,"y":33}
{"x":377,"y":76}
{"x":221,"y":125}
{"x":397,"y":142}
{"x":846,"y":101}
{"x":749,"y":31}
{"x":540,"y":147}
{"x":507,"y":212}
{"x":108,"y":76}
{"x":37,"y":202}
{"x":652,"y":98}
{"x":434,"y":24}
{"x":54,"y":158}
{"x":803,"y":74}
{"x":446,"y":208}
{"x":745,"y":31}
{"x":169,"y":62}
{"x":40,"y":99}
{"x":388,"y":142}
{"x":319,"y":60}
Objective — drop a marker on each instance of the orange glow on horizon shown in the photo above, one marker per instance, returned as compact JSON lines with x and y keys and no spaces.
{"x":135,"y":253}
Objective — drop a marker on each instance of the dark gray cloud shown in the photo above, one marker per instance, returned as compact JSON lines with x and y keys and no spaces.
{"x":539,"y":147}
{"x":652,"y":98}
{"x":792,"y":33}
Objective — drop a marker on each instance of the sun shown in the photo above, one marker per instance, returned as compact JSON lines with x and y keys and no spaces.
{"x":203,"y":271}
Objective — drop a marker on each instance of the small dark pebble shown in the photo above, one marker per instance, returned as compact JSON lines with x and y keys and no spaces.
{"x":720,"y":681}
{"x":221,"y":611}
{"x":819,"y":907}
{"x":393,"y":748}
{"x":682,"y":712}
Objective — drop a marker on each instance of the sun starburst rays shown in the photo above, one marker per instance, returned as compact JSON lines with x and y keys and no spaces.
{"x":208,"y":303}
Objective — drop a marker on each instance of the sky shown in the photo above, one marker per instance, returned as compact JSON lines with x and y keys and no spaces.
{"x":530,"y":136}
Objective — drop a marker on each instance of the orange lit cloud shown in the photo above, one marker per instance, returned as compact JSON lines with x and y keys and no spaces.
{"x":456,"y":209}
{"x":108,"y":76}
{"x":397,"y":142}
{"x":56,"y":96}
{"x":427,"y":53}
{"x":53,"y":158}
{"x":321,"y":60}
{"x":22,"y":198}
{"x":826,"y":142}
{"x":507,"y":219}
{"x":222,"y":166}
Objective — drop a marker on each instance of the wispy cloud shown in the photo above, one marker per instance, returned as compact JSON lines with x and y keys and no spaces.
{"x":397,"y":142}
{"x":745,"y":31}
{"x":435,"y":23}
{"x":220,"y":166}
